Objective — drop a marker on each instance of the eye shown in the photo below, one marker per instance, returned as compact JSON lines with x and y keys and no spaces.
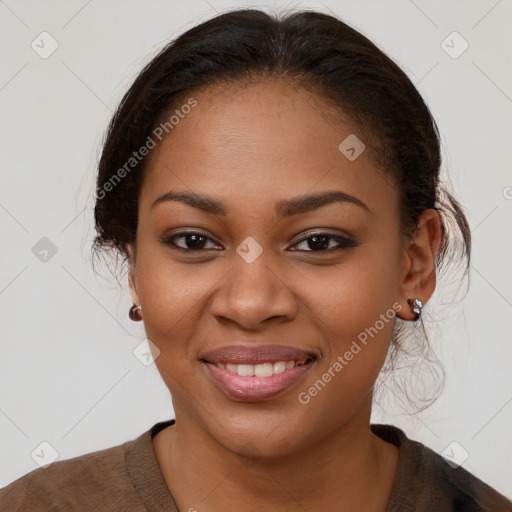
{"x":321,"y":242}
{"x":191,"y":241}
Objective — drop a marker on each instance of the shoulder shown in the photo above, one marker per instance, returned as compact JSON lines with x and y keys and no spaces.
{"x":85,"y":482}
{"x":462,"y":489}
{"x":427,"y":481}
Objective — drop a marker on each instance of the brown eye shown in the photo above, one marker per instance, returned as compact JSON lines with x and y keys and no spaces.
{"x":191,"y":241}
{"x":321,"y":242}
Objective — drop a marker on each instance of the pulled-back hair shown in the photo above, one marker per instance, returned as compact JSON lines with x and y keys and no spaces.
{"x":309,"y":50}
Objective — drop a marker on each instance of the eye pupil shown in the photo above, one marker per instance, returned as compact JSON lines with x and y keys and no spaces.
{"x":194,"y":238}
{"x":324,"y":242}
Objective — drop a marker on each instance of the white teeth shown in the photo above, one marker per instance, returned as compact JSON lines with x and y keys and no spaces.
{"x":260,"y":370}
{"x":245,"y":370}
{"x":263,"y":370}
{"x":279,"y":367}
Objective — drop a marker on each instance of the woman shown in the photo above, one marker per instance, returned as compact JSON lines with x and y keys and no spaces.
{"x":273,"y":185}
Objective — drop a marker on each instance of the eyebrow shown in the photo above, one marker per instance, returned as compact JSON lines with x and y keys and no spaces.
{"x":284,"y":208}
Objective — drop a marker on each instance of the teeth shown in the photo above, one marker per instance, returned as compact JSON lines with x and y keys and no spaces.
{"x":245,"y":370}
{"x":279,"y":367}
{"x":260,"y":370}
{"x":263,"y":370}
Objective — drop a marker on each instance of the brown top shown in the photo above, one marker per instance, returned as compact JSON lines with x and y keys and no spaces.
{"x":127,"y":477}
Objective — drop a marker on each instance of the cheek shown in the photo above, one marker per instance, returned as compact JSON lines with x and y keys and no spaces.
{"x":174,"y":296}
{"x":357,"y":328}
{"x":354,"y":309}
{"x":346,"y":300}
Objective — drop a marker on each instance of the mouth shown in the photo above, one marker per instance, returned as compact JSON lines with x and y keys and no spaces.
{"x":265,"y":369}
{"x":253,"y":374}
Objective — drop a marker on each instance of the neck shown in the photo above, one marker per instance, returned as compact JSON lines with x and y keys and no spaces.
{"x":351,"y":469}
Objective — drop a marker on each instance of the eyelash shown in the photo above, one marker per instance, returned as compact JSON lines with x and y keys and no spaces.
{"x":342,"y":241}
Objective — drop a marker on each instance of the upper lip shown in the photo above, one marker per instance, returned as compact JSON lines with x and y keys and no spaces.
{"x":242,"y":354}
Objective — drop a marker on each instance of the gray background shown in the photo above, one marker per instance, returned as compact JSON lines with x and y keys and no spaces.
{"x":69,"y":376}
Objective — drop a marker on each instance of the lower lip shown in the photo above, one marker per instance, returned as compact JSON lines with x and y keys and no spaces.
{"x":254,"y":389}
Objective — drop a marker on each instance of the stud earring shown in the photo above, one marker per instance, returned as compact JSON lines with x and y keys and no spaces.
{"x":416,"y":306}
{"x":134,"y":313}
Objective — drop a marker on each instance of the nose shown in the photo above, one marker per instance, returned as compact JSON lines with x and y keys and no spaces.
{"x":253,"y":293}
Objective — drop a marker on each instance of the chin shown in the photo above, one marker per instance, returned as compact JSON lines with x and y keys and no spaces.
{"x":260,"y":437}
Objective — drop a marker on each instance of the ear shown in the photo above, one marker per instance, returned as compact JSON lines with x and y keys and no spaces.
{"x":132,"y":276}
{"x":418,"y":277}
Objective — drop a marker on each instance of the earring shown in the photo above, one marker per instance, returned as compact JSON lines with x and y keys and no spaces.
{"x":134,"y":313}
{"x":416,"y":306}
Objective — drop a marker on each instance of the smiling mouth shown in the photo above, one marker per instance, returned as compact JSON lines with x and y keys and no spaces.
{"x":265,"y":369}
{"x":252,"y":373}
{"x":261,"y":380}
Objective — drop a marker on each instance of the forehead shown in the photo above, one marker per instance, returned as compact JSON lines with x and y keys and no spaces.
{"x":263,"y":140}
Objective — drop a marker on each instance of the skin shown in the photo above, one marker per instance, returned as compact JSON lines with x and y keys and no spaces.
{"x":250,"y":146}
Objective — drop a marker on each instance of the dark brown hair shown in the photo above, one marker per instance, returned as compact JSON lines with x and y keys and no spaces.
{"x":308,"y":49}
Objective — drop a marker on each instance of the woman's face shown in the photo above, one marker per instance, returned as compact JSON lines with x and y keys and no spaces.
{"x":250,"y":277}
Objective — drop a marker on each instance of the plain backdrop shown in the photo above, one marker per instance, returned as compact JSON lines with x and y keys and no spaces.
{"x":68,"y":373}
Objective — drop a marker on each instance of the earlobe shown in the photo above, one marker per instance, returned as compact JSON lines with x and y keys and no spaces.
{"x":135,"y":312}
{"x":419,"y":281}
